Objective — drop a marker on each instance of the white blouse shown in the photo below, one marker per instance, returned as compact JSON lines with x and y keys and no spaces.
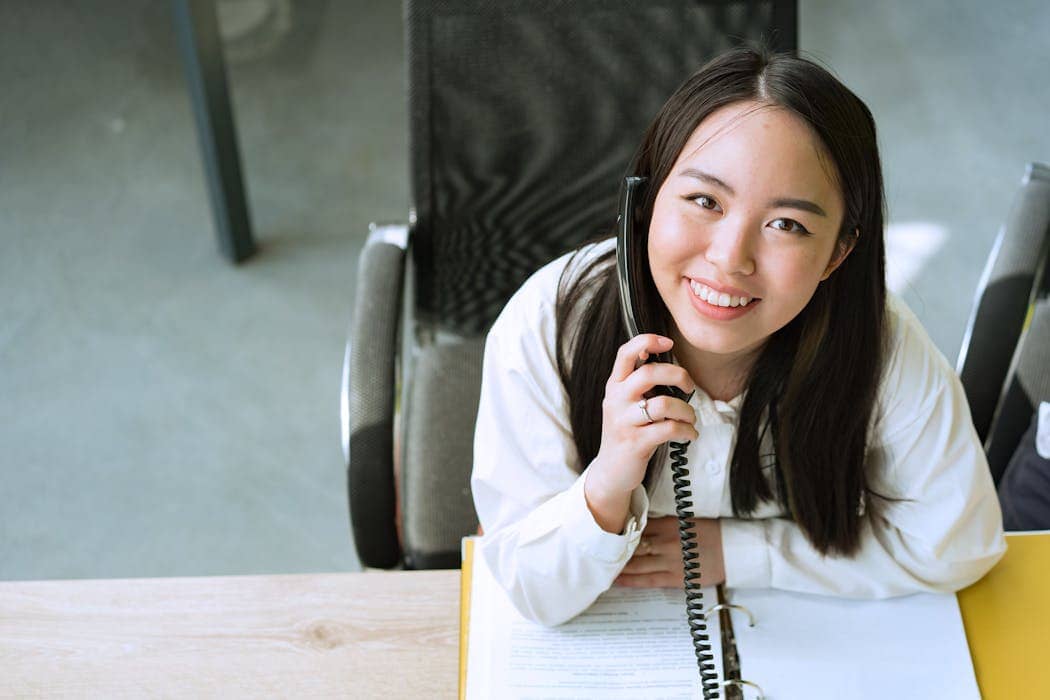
{"x":546,"y":550}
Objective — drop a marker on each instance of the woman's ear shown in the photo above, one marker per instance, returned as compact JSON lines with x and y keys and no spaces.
{"x":843,"y":248}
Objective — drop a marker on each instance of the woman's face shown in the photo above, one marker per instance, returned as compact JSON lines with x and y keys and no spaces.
{"x":749,"y":213}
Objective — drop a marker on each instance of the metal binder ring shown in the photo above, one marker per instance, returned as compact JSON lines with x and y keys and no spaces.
{"x":742,"y":684}
{"x":644,"y":405}
{"x":730,"y":606}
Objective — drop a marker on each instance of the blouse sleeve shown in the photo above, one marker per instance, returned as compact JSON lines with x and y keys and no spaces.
{"x":940,"y":527}
{"x":540,"y":539}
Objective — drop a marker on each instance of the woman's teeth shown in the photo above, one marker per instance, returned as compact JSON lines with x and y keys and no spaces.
{"x":715,"y":298}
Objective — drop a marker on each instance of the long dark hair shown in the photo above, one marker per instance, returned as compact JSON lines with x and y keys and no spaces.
{"x":814,"y":384}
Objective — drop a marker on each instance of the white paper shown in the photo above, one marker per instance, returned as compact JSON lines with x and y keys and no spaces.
{"x":632,"y":643}
{"x":819,"y":647}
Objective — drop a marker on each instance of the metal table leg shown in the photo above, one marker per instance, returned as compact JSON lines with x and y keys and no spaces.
{"x":201,"y":47}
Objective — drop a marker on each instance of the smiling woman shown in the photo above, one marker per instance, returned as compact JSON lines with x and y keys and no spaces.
{"x":702,"y":242}
{"x":832,"y":444}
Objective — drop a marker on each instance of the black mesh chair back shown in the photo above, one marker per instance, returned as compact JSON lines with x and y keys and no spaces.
{"x":1004,"y":363}
{"x":523,"y":118}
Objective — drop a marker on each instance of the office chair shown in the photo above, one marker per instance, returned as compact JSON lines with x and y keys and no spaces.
{"x":1004,"y":363}
{"x":522,"y":121}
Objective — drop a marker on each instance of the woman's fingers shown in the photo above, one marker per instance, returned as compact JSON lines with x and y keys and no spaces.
{"x":643,"y":379}
{"x":631,"y":432}
{"x":661,"y":431}
{"x":646,"y":565}
{"x":663,"y":536}
{"x":661,"y":530}
{"x":667,"y":408}
{"x":657,"y":549}
{"x":657,"y":562}
{"x":663,"y":579}
{"x":636,"y":350}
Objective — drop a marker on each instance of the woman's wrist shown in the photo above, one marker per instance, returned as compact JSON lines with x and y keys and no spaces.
{"x":610,"y":507}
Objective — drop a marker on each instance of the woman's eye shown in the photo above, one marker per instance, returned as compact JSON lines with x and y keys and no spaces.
{"x":790,"y":225}
{"x":704,"y":201}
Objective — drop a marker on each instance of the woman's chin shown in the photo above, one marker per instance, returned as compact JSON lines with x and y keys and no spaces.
{"x":714,"y":342}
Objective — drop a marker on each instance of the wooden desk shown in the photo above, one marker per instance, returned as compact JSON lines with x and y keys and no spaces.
{"x":362,"y":635}
{"x":371,"y":635}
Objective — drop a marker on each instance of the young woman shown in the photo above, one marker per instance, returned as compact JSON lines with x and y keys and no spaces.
{"x":830,"y":448}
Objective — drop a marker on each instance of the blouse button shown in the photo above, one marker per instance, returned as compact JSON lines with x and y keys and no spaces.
{"x":714,"y":468}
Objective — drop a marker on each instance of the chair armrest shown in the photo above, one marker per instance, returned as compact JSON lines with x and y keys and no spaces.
{"x":1004,"y":296}
{"x":368,"y":396}
{"x":1027,"y":386}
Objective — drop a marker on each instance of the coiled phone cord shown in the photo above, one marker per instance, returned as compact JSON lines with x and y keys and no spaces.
{"x":694,"y":602}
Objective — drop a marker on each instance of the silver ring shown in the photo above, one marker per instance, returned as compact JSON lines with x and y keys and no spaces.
{"x":644,"y":405}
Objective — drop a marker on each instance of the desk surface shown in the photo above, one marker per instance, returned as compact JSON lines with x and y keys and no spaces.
{"x":367,"y":635}
{"x":362,"y":635}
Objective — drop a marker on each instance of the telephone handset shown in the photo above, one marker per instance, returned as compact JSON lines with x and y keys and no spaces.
{"x":627,"y":269}
{"x":628,"y":272}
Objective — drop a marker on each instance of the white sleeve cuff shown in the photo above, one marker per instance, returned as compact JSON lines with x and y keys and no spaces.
{"x":745,"y":554}
{"x":587,"y":534}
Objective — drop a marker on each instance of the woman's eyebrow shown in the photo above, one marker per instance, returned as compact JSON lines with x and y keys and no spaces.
{"x":800,"y":204}
{"x":789,"y":202}
{"x":708,"y":178}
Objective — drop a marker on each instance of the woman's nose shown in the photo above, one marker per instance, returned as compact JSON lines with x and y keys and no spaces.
{"x":730,"y":249}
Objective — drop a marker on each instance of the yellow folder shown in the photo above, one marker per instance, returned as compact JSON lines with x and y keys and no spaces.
{"x":467,"y":570}
{"x":1007,"y":619}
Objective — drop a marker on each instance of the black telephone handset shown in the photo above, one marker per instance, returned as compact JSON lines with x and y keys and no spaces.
{"x":626,"y":270}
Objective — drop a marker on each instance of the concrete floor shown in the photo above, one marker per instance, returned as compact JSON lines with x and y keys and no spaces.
{"x":165,"y":413}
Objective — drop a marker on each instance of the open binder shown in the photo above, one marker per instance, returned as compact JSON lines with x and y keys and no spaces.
{"x":634,"y":643}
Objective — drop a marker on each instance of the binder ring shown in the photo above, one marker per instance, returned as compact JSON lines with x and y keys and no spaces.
{"x":742,"y":684}
{"x":730,"y":606}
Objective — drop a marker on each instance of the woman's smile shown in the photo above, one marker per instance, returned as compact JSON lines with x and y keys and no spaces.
{"x":720,"y":306}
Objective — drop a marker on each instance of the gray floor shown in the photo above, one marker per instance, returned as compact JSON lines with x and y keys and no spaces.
{"x":164,"y":413}
{"x":961,"y":98}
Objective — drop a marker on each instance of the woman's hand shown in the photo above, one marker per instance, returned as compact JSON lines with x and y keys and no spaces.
{"x":629,"y":438}
{"x":657,"y":563}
